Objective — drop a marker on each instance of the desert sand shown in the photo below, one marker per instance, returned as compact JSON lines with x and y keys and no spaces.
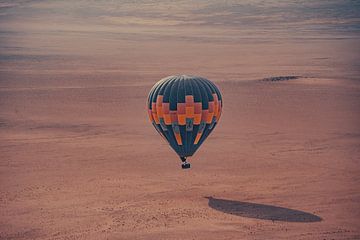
{"x":80,"y":160}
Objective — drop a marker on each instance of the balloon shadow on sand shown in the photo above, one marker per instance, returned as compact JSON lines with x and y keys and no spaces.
{"x":261,"y":211}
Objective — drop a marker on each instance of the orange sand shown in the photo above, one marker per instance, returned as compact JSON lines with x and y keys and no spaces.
{"x":79,"y":159}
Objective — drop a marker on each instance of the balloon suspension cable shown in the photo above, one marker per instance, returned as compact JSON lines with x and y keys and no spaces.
{"x":185,"y":164}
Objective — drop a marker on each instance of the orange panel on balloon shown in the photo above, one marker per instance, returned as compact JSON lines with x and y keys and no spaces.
{"x":219,"y":111}
{"x":197,"y":107}
{"x":210,"y":117}
{"x":189,"y":100}
{"x":167,"y":119}
{"x":211,"y":107}
{"x":159,"y":112}
{"x":154,"y":114}
{"x":197,"y":119}
{"x":181,"y":108}
{"x":204,"y":115}
{"x":155,"y":117}
{"x":150,"y":115}
{"x":173,"y":116}
{"x":190,"y":112}
{"x":159,"y":101}
{"x":197,"y":139}
{"x":166,"y":108}
{"x":216,"y":105}
{"x":153,"y":107}
{"x":182,"y":119}
{"x":178,"y":138}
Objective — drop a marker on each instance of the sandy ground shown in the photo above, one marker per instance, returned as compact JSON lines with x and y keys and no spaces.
{"x":84,"y":163}
{"x":79,"y":159}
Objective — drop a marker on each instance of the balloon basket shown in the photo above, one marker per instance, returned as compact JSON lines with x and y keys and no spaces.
{"x":185,"y":165}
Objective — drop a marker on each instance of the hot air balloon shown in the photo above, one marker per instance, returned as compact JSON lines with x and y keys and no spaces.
{"x":184,"y":110}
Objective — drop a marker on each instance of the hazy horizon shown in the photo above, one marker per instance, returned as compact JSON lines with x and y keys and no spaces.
{"x":123,"y":37}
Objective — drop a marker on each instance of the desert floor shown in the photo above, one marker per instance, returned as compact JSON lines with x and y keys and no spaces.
{"x":80,"y":160}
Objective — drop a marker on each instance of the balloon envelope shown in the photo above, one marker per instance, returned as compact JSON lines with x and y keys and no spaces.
{"x":184,"y":110}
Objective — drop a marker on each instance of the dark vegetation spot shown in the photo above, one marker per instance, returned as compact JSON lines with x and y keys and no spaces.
{"x":280,"y":78}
